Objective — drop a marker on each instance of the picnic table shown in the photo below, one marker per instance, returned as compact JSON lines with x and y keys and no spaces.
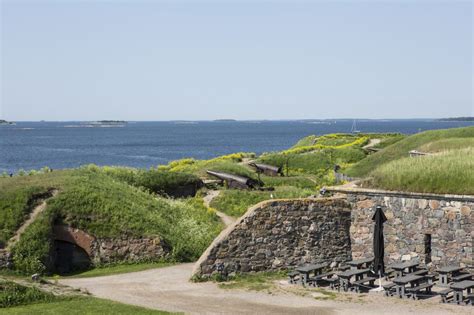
{"x":459,"y":287}
{"x":345,"y":277}
{"x":446,"y":272}
{"x":402,"y":281}
{"x":360,"y":263}
{"x":401,"y":267}
{"x":306,"y":270}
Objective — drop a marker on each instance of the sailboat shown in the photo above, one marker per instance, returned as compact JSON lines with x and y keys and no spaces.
{"x":354,"y":127}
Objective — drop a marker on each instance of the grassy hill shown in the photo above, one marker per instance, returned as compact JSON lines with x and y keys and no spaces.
{"x":448,"y":170}
{"x":401,"y":148}
{"x":104,"y":207}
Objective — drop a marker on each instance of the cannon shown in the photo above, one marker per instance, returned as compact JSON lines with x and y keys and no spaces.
{"x":266,"y":169}
{"x":235,"y":181}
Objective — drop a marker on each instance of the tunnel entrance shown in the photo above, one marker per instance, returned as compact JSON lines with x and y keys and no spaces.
{"x":69,"y":258}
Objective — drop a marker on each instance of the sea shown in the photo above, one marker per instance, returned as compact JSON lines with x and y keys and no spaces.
{"x":59,"y":145}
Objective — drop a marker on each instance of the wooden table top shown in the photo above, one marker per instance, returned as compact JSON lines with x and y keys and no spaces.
{"x":403,"y":265}
{"x":311,"y":267}
{"x":407,"y":279}
{"x":358,"y":262}
{"x":353,"y":272}
{"x":462,"y":285}
{"x":449,"y":269}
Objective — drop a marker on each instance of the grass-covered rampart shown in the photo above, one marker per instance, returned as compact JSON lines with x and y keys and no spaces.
{"x":401,"y":148}
{"x":450,"y":172}
{"x":106,"y":207}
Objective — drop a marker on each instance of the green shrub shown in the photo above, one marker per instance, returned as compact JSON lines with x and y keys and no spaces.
{"x":12,"y":294}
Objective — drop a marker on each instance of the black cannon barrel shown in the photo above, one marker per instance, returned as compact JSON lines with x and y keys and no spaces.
{"x":267,"y":169}
{"x":242,"y":181}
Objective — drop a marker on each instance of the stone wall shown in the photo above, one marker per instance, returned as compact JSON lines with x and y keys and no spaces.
{"x":281,"y":234}
{"x":128,"y":249}
{"x":109,"y":250}
{"x":447,"y":219}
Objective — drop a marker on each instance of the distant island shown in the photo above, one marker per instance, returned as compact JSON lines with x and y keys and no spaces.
{"x":4,"y":122}
{"x":112,"y":121}
{"x":457,"y":119}
{"x":225,"y":120}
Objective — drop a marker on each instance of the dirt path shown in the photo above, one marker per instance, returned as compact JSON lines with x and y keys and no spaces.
{"x":33,"y":215}
{"x":372,"y":142}
{"x":211,"y":194}
{"x":169,"y":289}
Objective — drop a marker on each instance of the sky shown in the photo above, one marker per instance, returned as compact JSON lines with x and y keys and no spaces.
{"x":200,"y":60}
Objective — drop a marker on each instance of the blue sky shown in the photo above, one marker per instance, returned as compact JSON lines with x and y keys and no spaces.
{"x":157,"y":60}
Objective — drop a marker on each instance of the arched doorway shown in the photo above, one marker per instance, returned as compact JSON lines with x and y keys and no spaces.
{"x":69,"y":257}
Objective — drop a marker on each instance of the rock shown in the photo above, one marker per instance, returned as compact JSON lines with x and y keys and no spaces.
{"x":434,"y":204}
{"x":35,"y":277}
{"x":365,"y":204}
{"x":451,"y":214}
{"x":465,"y":211}
{"x":422,"y":203}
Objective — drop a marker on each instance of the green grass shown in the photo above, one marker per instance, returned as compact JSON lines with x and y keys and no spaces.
{"x":451,"y":172}
{"x":298,"y":181}
{"x":15,"y":206}
{"x":447,"y":144}
{"x":80,"y":306}
{"x":227,"y":163}
{"x":316,"y":163}
{"x":157,"y":181}
{"x":108,"y":270}
{"x":401,"y":148}
{"x":253,"y":281}
{"x":236,"y":202}
{"x":12,"y":294}
{"x":389,"y":140}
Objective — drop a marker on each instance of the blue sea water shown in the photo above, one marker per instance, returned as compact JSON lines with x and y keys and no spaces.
{"x":32,"y":145}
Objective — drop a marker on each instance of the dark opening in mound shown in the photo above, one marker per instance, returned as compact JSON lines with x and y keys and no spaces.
{"x":69,"y":257}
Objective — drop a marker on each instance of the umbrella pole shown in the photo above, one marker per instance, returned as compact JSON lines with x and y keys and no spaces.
{"x":379,"y":289}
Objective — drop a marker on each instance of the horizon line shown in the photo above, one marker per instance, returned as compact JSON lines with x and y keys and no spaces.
{"x":238,"y":120}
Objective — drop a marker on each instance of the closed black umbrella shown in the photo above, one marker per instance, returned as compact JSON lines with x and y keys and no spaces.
{"x":379,"y":218}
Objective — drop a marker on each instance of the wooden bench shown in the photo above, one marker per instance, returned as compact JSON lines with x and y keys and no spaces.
{"x":389,"y":273}
{"x":320,"y":278}
{"x":420,"y":272}
{"x":461,"y":277}
{"x":444,"y":295}
{"x":344,"y":268}
{"x":293,"y":277}
{"x":389,"y":289}
{"x":360,"y":283}
{"x":415,"y":290}
{"x":334,"y":283}
{"x":470,"y":299}
{"x":431,"y":278}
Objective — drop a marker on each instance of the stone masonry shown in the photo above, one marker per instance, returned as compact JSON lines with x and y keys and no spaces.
{"x":109,"y":250}
{"x":278,"y":234}
{"x":432,"y":228}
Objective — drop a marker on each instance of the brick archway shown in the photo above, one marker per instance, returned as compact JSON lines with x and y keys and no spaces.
{"x":75,"y":236}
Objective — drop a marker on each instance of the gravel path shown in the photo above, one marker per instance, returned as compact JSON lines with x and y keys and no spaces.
{"x":169,"y":289}
{"x":228,"y":220}
{"x":31,"y":218}
{"x":372,"y":142}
